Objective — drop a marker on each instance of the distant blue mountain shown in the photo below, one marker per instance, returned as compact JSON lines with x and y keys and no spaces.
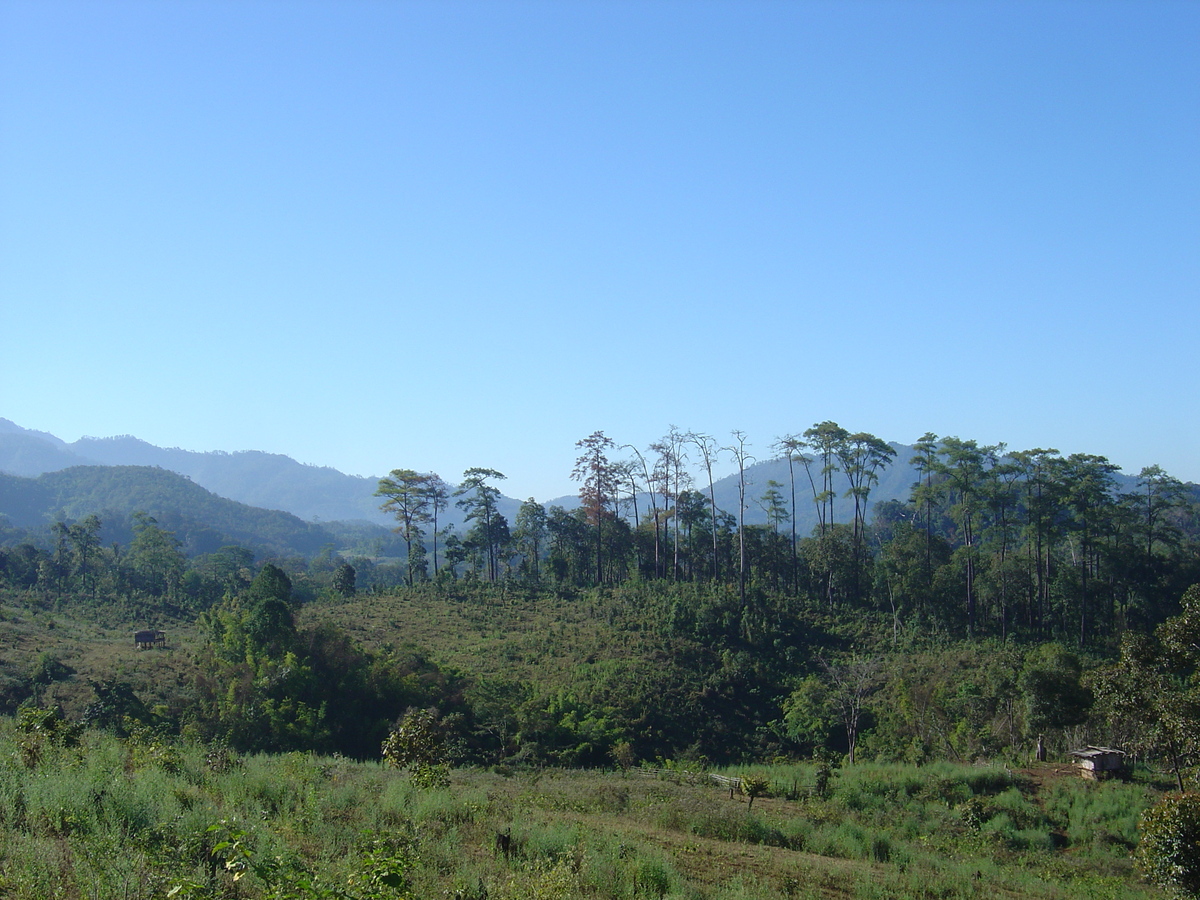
{"x":265,"y":480}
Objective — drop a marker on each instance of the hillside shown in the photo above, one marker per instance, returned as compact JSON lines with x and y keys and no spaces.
{"x":251,"y":477}
{"x":201,"y":520}
{"x":553,"y":671}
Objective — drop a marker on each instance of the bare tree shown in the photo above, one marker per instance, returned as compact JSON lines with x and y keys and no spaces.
{"x":709,"y":454}
{"x":649,"y":481}
{"x":738,"y":450}
{"x":851,"y":682}
{"x":792,"y":449}
{"x":438,"y":493}
{"x":671,"y":479}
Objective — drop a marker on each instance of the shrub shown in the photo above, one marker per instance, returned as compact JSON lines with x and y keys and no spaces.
{"x":821,"y":777}
{"x":40,"y":728}
{"x":1169,"y":852}
{"x":652,"y":878}
{"x":755,"y":786}
{"x":418,"y":743}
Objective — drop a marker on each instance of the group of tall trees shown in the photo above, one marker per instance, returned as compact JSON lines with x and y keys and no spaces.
{"x":989,"y":542}
{"x":1039,"y":543}
{"x":80,"y":562}
{"x":417,"y":501}
{"x":752,"y":629}
{"x":149,"y":572}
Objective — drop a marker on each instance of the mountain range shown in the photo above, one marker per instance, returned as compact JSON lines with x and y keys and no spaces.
{"x":202,"y":521}
{"x":267,"y":480}
{"x":319,"y":494}
{"x":276,"y":504}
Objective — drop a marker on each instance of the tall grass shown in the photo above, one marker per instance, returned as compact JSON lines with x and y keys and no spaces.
{"x":132,"y":819}
{"x":1101,"y":817}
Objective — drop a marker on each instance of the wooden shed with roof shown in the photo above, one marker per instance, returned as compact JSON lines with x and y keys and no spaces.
{"x":1099,"y":762}
{"x":146,"y":639}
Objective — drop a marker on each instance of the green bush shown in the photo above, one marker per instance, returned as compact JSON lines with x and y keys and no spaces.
{"x":1006,"y":833}
{"x":1169,"y":852}
{"x":1023,"y":814}
{"x":653,"y":878}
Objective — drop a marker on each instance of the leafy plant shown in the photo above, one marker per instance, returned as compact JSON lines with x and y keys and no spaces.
{"x":41,"y":728}
{"x":1169,"y":852}
{"x":419,"y":744}
{"x":755,"y":786}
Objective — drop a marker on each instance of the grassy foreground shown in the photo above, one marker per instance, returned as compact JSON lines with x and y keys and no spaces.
{"x":90,"y":815}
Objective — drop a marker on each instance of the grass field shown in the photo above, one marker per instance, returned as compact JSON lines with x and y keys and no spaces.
{"x":141,"y":817}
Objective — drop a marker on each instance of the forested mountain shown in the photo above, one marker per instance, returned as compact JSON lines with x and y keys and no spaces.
{"x":267,"y":480}
{"x":251,"y":477}
{"x":200,"y":520}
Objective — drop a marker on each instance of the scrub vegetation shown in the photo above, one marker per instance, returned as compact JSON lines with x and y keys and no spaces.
{"x":89,"y":813}
{"x":642,"y":697}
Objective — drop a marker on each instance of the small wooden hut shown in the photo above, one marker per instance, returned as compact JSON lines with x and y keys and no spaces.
{"x":145,"y":640}
{"x":1099,"y":762}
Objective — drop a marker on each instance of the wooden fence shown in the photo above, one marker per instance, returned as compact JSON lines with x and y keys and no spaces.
{"x":733,"y":785}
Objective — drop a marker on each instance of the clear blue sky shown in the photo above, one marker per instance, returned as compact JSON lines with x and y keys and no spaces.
{"x":374,"y":235}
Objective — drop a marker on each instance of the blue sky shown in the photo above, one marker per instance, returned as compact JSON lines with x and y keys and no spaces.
{"x":374,"y":235}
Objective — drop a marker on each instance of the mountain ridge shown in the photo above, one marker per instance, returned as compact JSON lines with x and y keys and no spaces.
{"x":252,"y":477}
{"x":322,"y":494}
{"x":201,"y":520}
